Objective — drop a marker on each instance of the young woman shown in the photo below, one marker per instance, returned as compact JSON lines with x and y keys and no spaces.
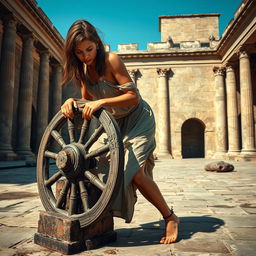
{"x":105,"y":81}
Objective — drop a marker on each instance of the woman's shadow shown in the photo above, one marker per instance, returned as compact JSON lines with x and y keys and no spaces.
{"x":150,"y":233}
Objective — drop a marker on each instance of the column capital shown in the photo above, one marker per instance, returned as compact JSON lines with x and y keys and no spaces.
{"x":27,"y":36}
{"x":133,"y":72}
{"x":229,"y":68}
{"x":163,"y":71}
{"x":219,"y":71}
{"x":10,"y":21}
{"x":243,"y":53}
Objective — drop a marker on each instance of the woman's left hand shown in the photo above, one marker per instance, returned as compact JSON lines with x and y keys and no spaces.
{"x":90,"y":107}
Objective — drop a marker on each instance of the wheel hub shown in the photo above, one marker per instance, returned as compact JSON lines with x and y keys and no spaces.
{"x":70,"y":161}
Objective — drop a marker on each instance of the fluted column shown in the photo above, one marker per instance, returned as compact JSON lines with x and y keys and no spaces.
{"x":25,"y":98}
{"x":133,"y":74}
{"x":248,"y":136}
{"x":232,"y":113}
{"x":42,"y":96}
{"x":163,"y":113}
{"x":220,"y":110}
{"x":7,"y":79}
{"x":56,"y":89}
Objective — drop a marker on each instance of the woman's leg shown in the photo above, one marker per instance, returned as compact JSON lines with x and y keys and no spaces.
{"x":151,"y":192}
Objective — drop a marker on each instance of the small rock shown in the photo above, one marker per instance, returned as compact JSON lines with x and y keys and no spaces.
{"x":219,"y":166}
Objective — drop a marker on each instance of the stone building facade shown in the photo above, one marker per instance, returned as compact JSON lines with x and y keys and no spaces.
{"x":202,"y":88}
{"x":30,"y":75}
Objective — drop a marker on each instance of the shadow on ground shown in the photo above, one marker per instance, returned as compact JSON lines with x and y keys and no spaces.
{"x":151,"y":233}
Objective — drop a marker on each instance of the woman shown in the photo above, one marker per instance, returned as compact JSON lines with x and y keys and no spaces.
{"x":105,"y":81}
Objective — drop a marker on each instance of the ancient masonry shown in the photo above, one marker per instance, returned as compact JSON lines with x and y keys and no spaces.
{"x":202,"y":88}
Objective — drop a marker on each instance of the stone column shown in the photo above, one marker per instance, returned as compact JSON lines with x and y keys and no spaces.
{"x":163,"y":113}
{"x":25,"y":98}
{"x":220,"y":112}
{"x":133,"y":74}
{"x":7,"y":79}
{"x":56,"y":89}
{"x":232,"y":113}
{"x":248,"y":136}
{"x":42,"y":96}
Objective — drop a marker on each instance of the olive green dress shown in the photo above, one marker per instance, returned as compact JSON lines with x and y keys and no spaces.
{"x":137,"y":125}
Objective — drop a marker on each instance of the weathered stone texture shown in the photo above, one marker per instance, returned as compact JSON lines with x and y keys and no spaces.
{"x":191,"y":95}
{"x":189,"y":28}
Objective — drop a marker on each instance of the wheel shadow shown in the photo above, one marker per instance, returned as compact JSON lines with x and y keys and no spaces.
{"x":151,"y":233}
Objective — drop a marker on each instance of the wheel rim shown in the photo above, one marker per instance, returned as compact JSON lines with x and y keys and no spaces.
{"x":73,"y":164}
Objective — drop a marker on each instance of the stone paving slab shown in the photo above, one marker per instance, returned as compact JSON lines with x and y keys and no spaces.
{"x":217,"y":213}
{"x":241,"y":248}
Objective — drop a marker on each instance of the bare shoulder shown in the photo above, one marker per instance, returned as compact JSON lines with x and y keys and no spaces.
{"x":117,"y":68}
{"x":114,"y":60}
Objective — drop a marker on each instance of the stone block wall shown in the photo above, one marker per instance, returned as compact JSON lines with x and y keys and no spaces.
{"x":189,"y":27}
{"x":191,"y":95}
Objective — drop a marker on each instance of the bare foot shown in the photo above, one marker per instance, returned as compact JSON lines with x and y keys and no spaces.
{"x":171,"y":230}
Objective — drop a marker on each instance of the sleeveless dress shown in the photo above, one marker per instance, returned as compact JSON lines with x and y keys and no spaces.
{"x":137,"y":125}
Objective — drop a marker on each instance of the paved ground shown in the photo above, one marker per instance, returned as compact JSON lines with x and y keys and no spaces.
{"x":217,"y":213}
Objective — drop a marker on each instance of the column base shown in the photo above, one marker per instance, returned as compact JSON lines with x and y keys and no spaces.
{"x":248,"y":151}
{"x":8,"y":155}
{"x":247,"y":155}
{"x":164,"y":155}
{"x":220,"y":155}
{"x":25,"y":154}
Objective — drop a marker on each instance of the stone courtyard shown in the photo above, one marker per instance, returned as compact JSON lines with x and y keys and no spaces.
{"x":217,"y":212}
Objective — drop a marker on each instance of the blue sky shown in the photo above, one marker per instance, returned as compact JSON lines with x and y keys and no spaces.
{"x":132,"y":21}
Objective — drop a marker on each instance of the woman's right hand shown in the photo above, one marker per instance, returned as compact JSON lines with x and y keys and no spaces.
{"x":67,"y":107}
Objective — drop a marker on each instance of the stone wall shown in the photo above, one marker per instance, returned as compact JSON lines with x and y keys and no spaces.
{"x":189,"y":27}
{"x":191,"y":95}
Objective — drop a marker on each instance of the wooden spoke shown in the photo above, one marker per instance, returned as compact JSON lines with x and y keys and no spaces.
{"x":72,"y":200}
{"x":58,"y":138}
{"x":63,"y":194}
{"x":53,"y":179}
{"x":95,"y":180}
{"x":97,"y":133}
{"x":71,"y":130}
{"x":84,"y":130}
{"x":50,"y":154}
{"x":98,"y":152}
{"x":84,"y":195}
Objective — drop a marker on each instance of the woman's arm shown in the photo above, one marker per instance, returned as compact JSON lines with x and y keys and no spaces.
{"x":120,"y":73}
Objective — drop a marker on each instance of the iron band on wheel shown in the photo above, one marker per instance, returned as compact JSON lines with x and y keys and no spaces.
{"x":73,"y":163}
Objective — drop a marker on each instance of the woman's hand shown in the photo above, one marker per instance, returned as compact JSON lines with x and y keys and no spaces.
{"x":90,"y":107}
{"x":67,"y":108}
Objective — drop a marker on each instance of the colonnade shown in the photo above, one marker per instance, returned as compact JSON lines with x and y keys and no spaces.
{"x":26,"y":84}
{"x":227,"y":121}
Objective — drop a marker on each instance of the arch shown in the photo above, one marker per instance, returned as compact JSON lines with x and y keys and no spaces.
{"x":192,"y":138}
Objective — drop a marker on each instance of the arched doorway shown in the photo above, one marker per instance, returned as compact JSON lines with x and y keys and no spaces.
{"x":193,"y":139}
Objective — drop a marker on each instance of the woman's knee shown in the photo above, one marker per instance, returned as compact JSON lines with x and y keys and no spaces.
{"x":138,"y":177}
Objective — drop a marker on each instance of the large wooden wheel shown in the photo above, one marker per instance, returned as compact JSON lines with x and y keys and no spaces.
{"x":74,"y":161}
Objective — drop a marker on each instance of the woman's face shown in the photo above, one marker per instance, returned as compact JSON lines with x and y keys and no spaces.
{"x":86,"y":52}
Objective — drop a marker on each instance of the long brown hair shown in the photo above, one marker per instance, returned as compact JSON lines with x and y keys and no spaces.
{"x":79,"y":31}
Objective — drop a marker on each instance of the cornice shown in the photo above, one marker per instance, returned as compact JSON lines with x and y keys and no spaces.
{"x":41,"y":17}
{"x":235,"y":23}
{"x":147,"y":55}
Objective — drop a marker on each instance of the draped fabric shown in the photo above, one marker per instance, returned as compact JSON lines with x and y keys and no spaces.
{"x":137,"y":125}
